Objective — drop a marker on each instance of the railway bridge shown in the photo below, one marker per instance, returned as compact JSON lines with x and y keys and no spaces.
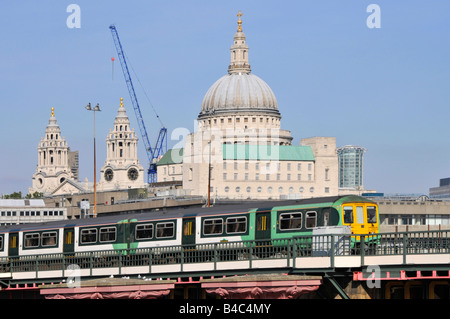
{"x":387,"y":265}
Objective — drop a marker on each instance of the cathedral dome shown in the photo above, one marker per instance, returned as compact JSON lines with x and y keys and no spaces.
{"x":236,"y":92}
{"x":239,"y":90}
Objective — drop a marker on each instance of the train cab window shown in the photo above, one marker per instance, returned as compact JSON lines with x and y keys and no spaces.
{"x":31,"y":240}
{"x":89,"y":236}
{"x":213,"y":226}
{"x":49,"y":239}
{"x":371,"y":214}
{"x":348,"y":214}
{"x":144,"y":231}
{"x":290,"y":221}
{"x":108,"y":234}
{"x":311,"y":219}
{"x":165,"y":230}
{"x":359,"y":214}
{"x":236,"y":225}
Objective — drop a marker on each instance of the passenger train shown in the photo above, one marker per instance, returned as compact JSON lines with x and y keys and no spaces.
{"x":191,"y":226}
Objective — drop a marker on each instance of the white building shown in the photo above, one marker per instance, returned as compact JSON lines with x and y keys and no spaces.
{"x":122,"y":168}
{"x":240,"y":150}
{"x":53,"y":167}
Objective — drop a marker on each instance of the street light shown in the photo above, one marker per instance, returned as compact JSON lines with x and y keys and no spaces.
{"x":95,"y":109}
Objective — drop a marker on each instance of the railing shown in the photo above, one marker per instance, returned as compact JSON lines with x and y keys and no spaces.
{"x":288,"y":252}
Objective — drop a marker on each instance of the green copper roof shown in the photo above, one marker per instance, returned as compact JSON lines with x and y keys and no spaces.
{"x":249,"y":152}
{"x":173,"y":156}
{"x":267,"y":152}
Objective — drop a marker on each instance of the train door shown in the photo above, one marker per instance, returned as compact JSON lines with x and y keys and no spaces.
{"x":188,"y":231}
{"x":126,"y":234}
{"x":13,"y":249}
{"x":69,"y":240}
{"x":262,"y":230}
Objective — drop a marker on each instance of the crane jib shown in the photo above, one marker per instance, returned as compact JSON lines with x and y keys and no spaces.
{"x":161,"y":143}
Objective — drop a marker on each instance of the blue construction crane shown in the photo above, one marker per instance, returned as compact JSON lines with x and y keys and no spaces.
{"x":161,"y":143}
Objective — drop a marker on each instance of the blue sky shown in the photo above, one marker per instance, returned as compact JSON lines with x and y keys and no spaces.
{"x":385,"y":89}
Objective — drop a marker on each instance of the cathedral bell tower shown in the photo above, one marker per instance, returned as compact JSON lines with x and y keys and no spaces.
{"x":53,"y":160}
{"x":122,"y":169}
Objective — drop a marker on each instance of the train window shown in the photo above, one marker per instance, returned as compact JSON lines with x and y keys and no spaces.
{"x":311,"y":219}
{"x":348,"y":214}
{"x":144,"y":231}
{"x":359,"y":215}
{"x":164,"y":230}
{"x":213,"y":226}
{"x":290,"y":221}
{"x":88,"y":236}
{"x":326,"y":216}
{"x":31,"y":240}
{"x":108,"y":234}
{"x":49,"y":239}
{"x":371,"y":214}
{"x":236,"y":225}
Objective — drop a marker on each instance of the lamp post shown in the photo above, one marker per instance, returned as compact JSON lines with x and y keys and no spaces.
{"x":95,"y":109}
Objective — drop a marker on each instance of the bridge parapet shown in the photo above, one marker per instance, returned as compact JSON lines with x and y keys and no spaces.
{"x":307,"y":254}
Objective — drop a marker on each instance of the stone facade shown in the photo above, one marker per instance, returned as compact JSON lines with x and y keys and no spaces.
{"x":53,"y":167}
{"x":239,"y":148}
{"x":122,"y":169}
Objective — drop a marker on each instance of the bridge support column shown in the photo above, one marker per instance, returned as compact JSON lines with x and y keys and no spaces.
{"x":271,"y":286}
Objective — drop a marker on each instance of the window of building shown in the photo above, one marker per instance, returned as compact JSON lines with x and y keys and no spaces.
{"x":248,"y":189}
{"x":238,"y":189}
{"x":227,"y":189}
{"x":327,"y":189}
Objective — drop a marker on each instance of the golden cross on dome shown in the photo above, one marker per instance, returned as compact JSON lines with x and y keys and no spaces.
{"x":53,"y":111}
{"x":121,"y":101}
{"x":239,"y":21}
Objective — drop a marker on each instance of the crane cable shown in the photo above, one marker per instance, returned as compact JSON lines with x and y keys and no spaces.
{"x":145,"y":93}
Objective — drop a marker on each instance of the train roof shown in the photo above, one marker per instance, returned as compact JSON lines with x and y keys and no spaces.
{"x":171,"y":213}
